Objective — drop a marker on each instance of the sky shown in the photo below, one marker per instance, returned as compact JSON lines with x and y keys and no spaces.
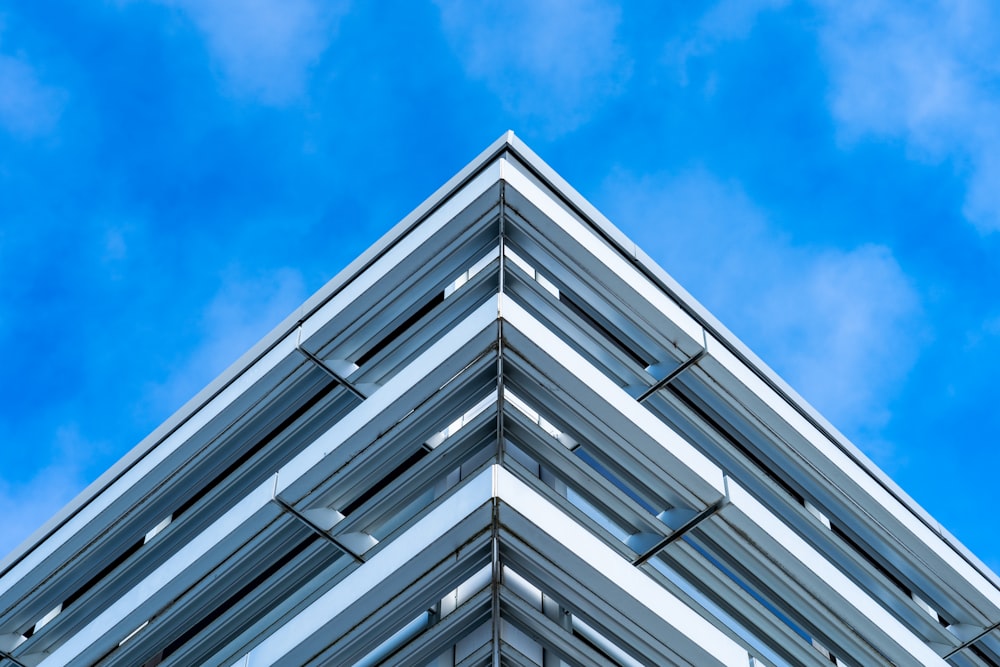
{"x":177,"y":175}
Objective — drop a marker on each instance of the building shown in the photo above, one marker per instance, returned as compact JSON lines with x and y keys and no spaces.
{"x":502,"y":436}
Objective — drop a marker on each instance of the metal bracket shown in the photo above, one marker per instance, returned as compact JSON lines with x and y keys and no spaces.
{"x":706,"y":513}
{"x":323,"y":366}
{"x":674,"y":374}
{"x":972,"y":640}
{"x":285,"y":507}
{"x":7,"y":656}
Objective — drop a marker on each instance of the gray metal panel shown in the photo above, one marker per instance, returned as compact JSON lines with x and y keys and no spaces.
{"x":616,"y":237}
{"x":513,"y":381}
{"x":238,"y":367}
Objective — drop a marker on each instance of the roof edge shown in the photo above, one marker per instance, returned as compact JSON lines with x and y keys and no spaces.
{"x":508,"y":141}
{"x":613,"y":235}
{"x":245,"y":361}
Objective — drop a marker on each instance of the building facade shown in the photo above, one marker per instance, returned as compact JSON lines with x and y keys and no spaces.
{"x":502,"y":436}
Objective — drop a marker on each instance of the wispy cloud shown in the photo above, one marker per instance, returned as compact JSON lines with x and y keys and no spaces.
{"x":923,"y":75}
{"x":843,"y":326}
{"x":926,"y":74}
{"x":726,"y":21}
{"x":29,"y":107}
{"x":265,"y":49}
{"x":553,"y":63}
{"x":242,"y":311}
{"x":27,"y":503}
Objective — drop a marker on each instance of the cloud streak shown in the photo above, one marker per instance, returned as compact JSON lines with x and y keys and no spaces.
{"x":728,"y":20}
{"x":265,"y":49}
{"x":554,"y":63}
{"x":842,"y":326}
{"x":924,"y":75}
{"x":242,"y":311}
{"x":27,"y":503}
{"x":29,"y":108}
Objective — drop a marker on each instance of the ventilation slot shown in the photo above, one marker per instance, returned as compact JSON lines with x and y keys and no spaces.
{"x":846,"y":539}
{"x":979,"y":653}
{"x":398,"y":331}
{"x":586,"y":641}
{"x":393,"y":475}
{"x":602,"y":644}
{"x":190,"y":502}
{"x":473,"y":271}
{"x":743,"y":449}
{"x":531,"y":271}
{"x":580,"y":312}
{"x":565,"y":439}
{"x":762,"y":599}
{"x":869,"y":558}
{"x":108,"y":569}
{"x":261,"y":444}
{"x":595,"y":464}
{"x":235,"y":598}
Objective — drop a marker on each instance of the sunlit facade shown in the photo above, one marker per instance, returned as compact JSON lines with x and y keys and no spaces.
{"x":502,"y":436}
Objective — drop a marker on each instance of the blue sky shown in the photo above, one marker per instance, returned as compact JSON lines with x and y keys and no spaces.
{"x":177,"y":175}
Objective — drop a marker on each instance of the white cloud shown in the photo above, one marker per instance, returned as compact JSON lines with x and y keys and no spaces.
{"x":844,"y":327}
{"x":28,"y":107}
{"x":551,"y":62}
{"x":986,"y":334}
{"x":924,"y":74}
{"x":244,"y":309}
{"x":728,"y":20}
{"x":927,"y":74}
{"x":844,"y":319}
{"x":26,"y":504}
{"x":265,"y":48}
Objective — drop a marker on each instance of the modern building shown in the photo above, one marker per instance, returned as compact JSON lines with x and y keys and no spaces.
{"x":502,"y":436}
